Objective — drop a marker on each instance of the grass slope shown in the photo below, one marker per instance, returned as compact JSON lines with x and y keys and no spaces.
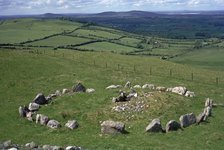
{"x":25,"y":73}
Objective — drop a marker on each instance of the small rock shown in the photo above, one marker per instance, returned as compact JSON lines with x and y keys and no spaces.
{"x":34,"y":106}
{"x":53,"y":124}
{"x":30,"y":116}
{"x":189,"y":94}
{"x":148,"y":86}
{"x":137,"y":87}
{"x":169,"y":89}
{"x":47,"y":147}
{"x":172,"y":125}
{"x":40,"y":99}
{"x":160,"y":88}
{"x":91,"y":90}
{"x":200,"y":118}
{"x":13,"y":148}
{"x":187,"y":120}
{"x":79,"y":88}
{"x":58,"y":93}
{"x":7,"y":144}
{"x":208,"y":111}
{"x":128,"y":84}
{"x":31,"y":145}
{"x":72,"y":124}
{"x":73,"y":148}
{"x":179,"y":90}
{"x":64,"y":91}
{"x":208,"y":102}
{"x":114,"y":87}
{"x":154,"y":126}
{"x":112,"y":127}
{"x":42,"y":119}
{"x":22,"y":112}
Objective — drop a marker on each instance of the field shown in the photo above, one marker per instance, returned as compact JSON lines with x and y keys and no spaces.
{"x":52,"y":63}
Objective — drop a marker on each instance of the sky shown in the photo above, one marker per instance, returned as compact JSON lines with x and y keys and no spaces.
{"x":19,"y":7}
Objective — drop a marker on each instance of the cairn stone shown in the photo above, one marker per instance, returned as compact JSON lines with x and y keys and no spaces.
{"x":179,"y":90}
{"x":40,"y":99}
{"x":187,"y":120}
{"x":34,"y":107}
{"x":154,"y":126}
{"x":201,"y":117}
{"x":53,"y":124}
{"x":42,"y":119}
{"x":112,"y":127}
{"x":22,"y":111}
{"x":72,"y":124}
{"x":208,"y":111}
{"x":128,"y":84}
{"x":79,"y":88}
{"x":208,"y":102}
{"x":172,"y":125}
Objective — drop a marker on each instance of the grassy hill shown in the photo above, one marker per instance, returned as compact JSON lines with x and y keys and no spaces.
{"x":50,"y":62}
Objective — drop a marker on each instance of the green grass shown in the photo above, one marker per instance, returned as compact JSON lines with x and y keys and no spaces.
{"x":25,"y":74}
{"x":106,"y":46}
{"x":60,"y":41}
{"x":16,"y":31}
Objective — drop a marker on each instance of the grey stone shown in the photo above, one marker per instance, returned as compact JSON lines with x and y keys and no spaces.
{"x":179,"y":90}
{"x":73,"y":148}
{"x":30,"y":116}
{"x":65,"y":91}
{"x":208,"y":111}
{"x":79,"y":88}
{"x":13,"y":148}
{"x":112,"y":127}
{"x":42,"y":119}
{"x":72,"y":124}
{"x":161,"y":89}
{"x":187,"y":120}
{"x":128,"y":84}
{"x":114,"y":87}
{"x":148,"y":86}
{"x":137,"y":87}
{"x":172,"y":125}
{"x":200,"y":118}
{"x":190,"y":94}
{"x":40,"y":99}
{"x":31,"y":145}
{"x":208,"y":102}
{"x":7,"y":144}
{"x":22,"y":112}
{"x":53,"y":124}
{"x":34,"y":107}
{"x":154,"y":126}
{"x":91,"y":90}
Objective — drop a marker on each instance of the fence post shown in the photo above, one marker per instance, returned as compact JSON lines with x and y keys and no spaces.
{"x":192,"y":76}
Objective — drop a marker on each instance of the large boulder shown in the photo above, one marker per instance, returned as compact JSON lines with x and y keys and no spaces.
{"x":79,"y":88}
{"x":34,"y":107}
{"x":208,"y":102}
{"x":128,"y":84}
{"x":112,"y":127}
{"x":53,"y":124}
{"x":187,"y":120}
{"x":72,"y":124}
{"x":172,"y":125}
{"x":40,"y":99}
{"x":114,"y":87}
{"x":179,"y":90}
{"x":42,"y":119}
{"x":154,"y":126}
{"x":190,"y":94}
{"x":148,"y":86}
